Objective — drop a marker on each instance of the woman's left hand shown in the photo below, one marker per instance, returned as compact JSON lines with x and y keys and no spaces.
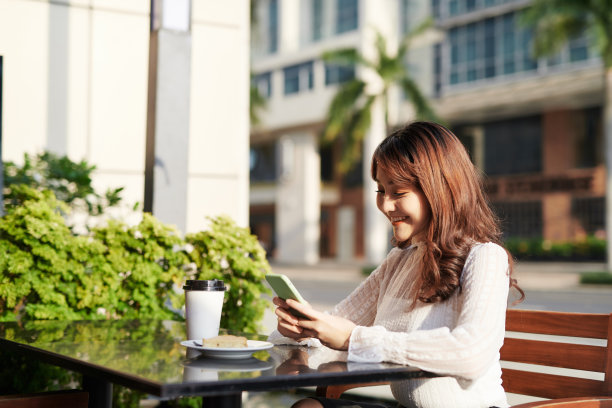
{"x":333,"y":331}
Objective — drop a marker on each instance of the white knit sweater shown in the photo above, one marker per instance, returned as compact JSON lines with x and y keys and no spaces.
{"x":459,"y":338}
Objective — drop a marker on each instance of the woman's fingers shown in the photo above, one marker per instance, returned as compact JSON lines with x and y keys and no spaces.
{"x":284,"y":327}
{"x":286,"y":315}
{"x":303,"y":308}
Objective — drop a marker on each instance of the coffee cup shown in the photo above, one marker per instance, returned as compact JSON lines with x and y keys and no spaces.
{"x":203,"y":306}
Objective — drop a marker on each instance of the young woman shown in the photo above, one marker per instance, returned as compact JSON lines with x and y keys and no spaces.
{"x":438,"y":301}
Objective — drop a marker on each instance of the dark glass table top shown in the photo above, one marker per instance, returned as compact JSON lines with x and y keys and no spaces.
{"x":147,"y":355}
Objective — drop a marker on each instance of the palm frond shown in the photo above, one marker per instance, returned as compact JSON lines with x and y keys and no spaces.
{"x":380,"y":43}
{"x":354,"y":133}
{"x":341,"y":107}
{"x":415,"y":32}
{"x":257,"y":103}
{"x":421,"y":106}
{"x":346,"y":56}
{"x":554,"y":23}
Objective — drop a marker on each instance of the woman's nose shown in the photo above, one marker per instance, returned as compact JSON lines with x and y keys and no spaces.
{"x":387,"y":204}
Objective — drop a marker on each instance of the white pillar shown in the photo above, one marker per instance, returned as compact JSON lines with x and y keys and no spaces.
{"x":166,"y":164}
{"x":608,"y":146}
{"x":58,"y":83}
{"x":298,"y":201}
{"x":289,"y":25}
{"x":376,"y":226}
{"x":381,"y":17}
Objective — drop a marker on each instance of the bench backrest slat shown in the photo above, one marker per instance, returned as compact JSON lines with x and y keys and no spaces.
{"x":557,"y":354}
{"x":589,"y":325}
{"x":563,"y":355}
{"x":548,"y":385}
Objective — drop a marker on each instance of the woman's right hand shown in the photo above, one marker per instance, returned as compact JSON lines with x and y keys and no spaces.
{"x":287,"y":323}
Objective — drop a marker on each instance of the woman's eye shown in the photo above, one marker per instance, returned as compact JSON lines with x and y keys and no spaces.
{"x":380,"y":191}
{"x":399,"y":194}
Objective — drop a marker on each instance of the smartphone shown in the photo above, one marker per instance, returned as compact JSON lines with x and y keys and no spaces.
{"x":284,"y":289}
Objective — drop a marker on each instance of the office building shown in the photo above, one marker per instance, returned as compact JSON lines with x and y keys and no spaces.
{"x":533,"y":126}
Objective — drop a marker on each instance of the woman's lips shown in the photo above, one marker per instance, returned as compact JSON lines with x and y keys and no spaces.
{"x":397,"y":220}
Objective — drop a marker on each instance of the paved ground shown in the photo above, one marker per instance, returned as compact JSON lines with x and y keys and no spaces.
{"x":549,"y":286}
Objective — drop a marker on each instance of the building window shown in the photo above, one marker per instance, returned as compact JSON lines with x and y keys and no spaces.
{"x":262,"y":163}
{"x":488,"y":48}
{"x":298,"y":78}
{"x":590,"y":214}
{"x":589,"y":140}
{"x":436,"y":10}
{"x":327,"y":163}
{"x":317,"y":20}
{"x":273,"y":26}
{"x":513,"y":146}
{"x":337,"y":74}
{"x":498,"y":46}
{"x":347,"y":15}
{"x":578,"y":49}
{"x":459,"y":7}
{"x":263,"y":83}
{"x":519,"y":219}
{"x":437,"y":91}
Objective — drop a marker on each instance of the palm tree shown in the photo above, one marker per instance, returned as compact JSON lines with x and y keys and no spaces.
{"x":257,"y":104}
{"x":358,"y":117}
{"x":349,"y":114}
{"x":555,"y":22}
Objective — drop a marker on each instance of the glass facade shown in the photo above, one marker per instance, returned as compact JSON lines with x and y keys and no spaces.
{"x":513,"y":146}
{"x":317,"y":20}
{"x":487,"y":48}
{"x":273,"y":26}
{"x":263,"y":83}
{"x":298,"y":78}
{"x":337,"y":74}
{"x":347,"y":15}
{"x":262,"y":162}
{"x":520,"y":219}
{"x":589,"y":139}
{"x":453,"y":8}
{"x":590,"y":213}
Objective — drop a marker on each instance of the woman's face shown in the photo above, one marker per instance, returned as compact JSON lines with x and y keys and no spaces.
{"x":405,"y":206}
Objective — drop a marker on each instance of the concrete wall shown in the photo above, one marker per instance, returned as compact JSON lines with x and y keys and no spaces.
{"x":75,"y":82}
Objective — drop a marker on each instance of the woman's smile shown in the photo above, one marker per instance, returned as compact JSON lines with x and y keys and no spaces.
{"x":405,"y":206}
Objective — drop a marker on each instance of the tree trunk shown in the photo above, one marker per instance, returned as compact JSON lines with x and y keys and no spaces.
{"x":607,"y":129}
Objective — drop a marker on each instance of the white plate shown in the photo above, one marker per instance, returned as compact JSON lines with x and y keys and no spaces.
{"x":229,"y":352}
{"x":217,"y":364}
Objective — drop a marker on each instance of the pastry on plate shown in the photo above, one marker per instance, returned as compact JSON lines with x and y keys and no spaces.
{"x":225,"y":341}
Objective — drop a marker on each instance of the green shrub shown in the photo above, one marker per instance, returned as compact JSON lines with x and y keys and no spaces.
{"x":49,"y":273}
{"x":596,"y":278}
{"x":117,"y":271}
{"x":587,"y":249}
{"x":69,"y":181}
{"x":228,"y":252}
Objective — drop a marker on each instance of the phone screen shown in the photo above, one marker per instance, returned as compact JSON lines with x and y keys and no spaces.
{"x":284,"y":289}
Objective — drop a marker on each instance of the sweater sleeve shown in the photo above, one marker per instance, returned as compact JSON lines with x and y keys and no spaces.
{"x":465,"y":350}
{"x":360,"y":306}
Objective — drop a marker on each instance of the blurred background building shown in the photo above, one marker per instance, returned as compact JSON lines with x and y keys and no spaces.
{"x":92,"y":78}
{"x":533,"y":126}
{"x":95,"y":80}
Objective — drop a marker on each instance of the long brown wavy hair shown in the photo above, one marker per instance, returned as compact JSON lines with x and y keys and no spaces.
{"x":430,"y":157}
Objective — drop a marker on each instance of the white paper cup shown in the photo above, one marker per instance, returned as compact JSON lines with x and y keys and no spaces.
{"x":203,"y":305}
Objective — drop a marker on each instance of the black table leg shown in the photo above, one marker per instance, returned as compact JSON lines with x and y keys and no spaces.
{"x":100,"y":392}
{"x":223,"y":401}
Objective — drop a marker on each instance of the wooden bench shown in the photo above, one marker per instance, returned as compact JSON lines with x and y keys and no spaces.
{"x":51,"y":399}
{"x":568,"y":390}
